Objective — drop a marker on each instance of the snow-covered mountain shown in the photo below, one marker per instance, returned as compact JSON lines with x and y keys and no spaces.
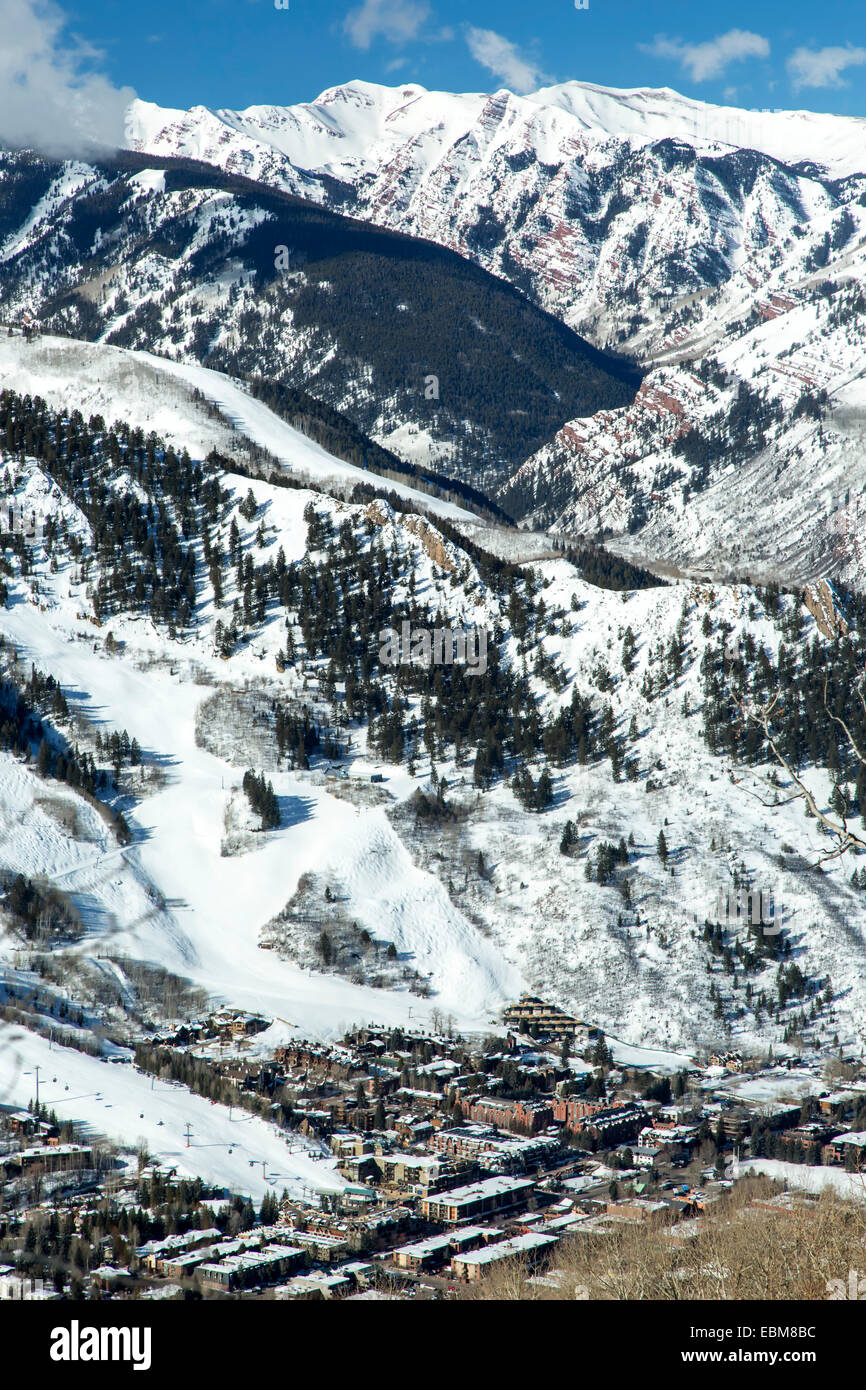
{"x":436,"y":358}
{"x":230,"y":481}
{"x":674,"y":230}
{"x":554,"y":190}
{"x":748,"y":461}
{"x":727,"y":256}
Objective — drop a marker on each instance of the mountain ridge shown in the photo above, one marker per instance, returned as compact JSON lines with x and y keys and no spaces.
{"x":184,"y":259}
{"x":591,"y":104}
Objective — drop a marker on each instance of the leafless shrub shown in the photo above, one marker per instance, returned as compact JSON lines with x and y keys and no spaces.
{"x":740,"y":1251}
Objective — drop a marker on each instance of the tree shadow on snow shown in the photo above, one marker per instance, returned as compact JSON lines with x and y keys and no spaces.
{"x":294,"y":810}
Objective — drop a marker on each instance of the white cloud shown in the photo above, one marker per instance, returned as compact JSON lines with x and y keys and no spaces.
{"x":710,"y":59}
{"x":398,"y":21}
{"x":823,"y":67}
{"x":50,"y":96}
{"x":500,"y":56}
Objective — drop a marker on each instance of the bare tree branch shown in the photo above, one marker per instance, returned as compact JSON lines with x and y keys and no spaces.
{"x":845,"y":838}
{"x":841,"y":722}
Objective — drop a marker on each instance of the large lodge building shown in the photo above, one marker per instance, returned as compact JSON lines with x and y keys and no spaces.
{"x":532,"y":1015}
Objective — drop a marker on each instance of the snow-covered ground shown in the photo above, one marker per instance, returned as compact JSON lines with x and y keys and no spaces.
{"x":254,"y":421}
{"x":794,"y":1085}
{"x":808,"y":1178}
{"x":653,"y":1058}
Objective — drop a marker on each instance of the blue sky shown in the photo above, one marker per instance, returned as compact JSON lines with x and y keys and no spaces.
{"x":774,"y":53}
{"x":237,"y":52}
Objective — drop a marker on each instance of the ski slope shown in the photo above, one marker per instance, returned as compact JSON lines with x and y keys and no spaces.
{"x":253,"y":419}
{"x":237,"y":1150}
{"x":157,"y":394}
{"x":209,"y":933}
{"x":533,"y":919}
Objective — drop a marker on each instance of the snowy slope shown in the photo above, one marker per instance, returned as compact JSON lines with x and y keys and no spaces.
{"x":788,"y":507}
{"x":575,"y":940}
{"x":533,"y":919}
{"x":219,"y":904}
{"x":168,"y":397}
{"x":254,"y":421}
{"x":210,"y":934}
{"x":644,"y":115}
{"x":239,"y":1152}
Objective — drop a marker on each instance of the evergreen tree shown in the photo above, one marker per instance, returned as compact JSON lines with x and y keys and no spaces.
{"x":44,"y":759}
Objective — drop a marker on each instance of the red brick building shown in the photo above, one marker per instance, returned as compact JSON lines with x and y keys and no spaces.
{"x":521,"y":1116}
